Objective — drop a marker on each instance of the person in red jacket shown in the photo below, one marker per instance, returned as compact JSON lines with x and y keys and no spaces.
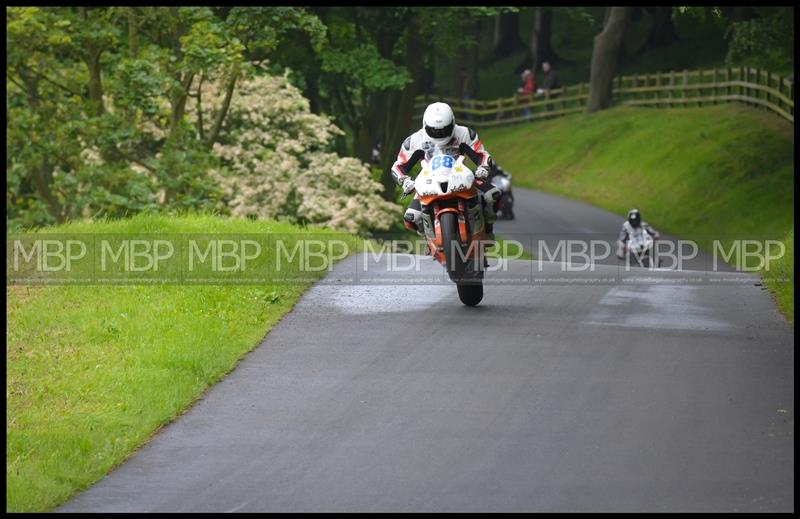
{"x":527,"y":89}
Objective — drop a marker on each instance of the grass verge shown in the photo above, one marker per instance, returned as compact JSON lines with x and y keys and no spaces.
{"x":699,"y":173}
{"x":93,"y":371}
{"x":780,"y":279}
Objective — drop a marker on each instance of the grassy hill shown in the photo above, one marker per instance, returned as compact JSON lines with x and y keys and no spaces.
{"x":725,"y":170}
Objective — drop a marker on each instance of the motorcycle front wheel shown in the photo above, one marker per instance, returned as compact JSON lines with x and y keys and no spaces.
{"x":454,"y":262}
{"x":470,"y":293}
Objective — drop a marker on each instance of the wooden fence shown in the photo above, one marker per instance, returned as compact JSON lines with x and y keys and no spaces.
{"x":685,"y":88}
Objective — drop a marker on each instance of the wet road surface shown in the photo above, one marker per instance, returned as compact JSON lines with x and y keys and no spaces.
{"x":554,"y":394}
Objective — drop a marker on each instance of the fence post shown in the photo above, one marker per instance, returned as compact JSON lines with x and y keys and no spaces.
{"x":658,"y":90}
{"x":683,"y":89}
{"x":767,"y":95}
{"x":745,"y":79}
{"x":547,"y":107}
{"x":714,"y":88}
{"x":728,"y":76}
{"x":758,"y":92}
{"x":700,"y":87}
{"x":671,"y":84}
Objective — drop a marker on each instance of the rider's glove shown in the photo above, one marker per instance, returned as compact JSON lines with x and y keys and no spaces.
{"x":408,"y":185}
{"x":482,"y":172}
{"x":620,"y":250}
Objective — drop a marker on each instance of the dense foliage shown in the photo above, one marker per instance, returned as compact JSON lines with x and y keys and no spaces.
{"x":275,"y":161}
{"x":765,"y":41}
{"x":98,"y":117}
{"x":100,"y":100}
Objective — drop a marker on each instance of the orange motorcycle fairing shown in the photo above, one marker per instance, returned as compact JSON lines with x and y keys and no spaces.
{"x":473,"y":241}
{"x":466,"y":195}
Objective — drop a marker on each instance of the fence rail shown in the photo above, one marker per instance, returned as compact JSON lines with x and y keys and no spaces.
{"x":684,"y":88}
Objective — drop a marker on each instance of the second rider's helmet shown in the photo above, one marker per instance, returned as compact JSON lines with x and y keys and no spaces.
{"x":634,"y":218}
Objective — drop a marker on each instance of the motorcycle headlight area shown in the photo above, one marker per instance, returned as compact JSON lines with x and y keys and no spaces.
{"x":428,"y":184}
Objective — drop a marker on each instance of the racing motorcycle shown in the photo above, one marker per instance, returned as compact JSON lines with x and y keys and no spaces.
{"x":452,"y":221}
{"x":640,"y":248}
{"x":505,"y":206}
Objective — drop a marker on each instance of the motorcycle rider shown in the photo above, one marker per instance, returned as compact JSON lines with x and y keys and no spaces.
{"x":631,"y":225}
{"x":439,"y":129}
{"x":496,"y":171}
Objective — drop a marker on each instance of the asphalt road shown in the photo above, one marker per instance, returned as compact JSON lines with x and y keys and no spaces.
{"x":557,"y":393}
{"x":543,"y":220}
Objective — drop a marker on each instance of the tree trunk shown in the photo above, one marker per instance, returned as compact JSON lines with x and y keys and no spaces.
{"x":604,"y":57}
{"x":95,"y":83}
{"x":497,"y":31}
{"x":200,"y":129}
{"x":400,"y":106}
{"x":312,"y":91}
{"x":663,"y":31}
{"x":42,"y":173}
{"x":507,"y":39}
{"x":133,"y":34}
{"x":178,"y":103}
{"x":92,"y":60}
{"x":541,"y":47}
{"x":223,"y":112}
{"x":474,"y":62}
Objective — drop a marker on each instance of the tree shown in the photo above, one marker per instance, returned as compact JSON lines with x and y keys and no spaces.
{"x":604,"y":57}
{"x":662,"y":33}
{"x":540,"y":48}
{"x":278,"y":161}
{"x":541,"y":41}
{"x":763,"y":40}
{"x":507,"y":40}
{"x":374,"y":63}
{"x":97,"y":100}
{"x":757,"y":36}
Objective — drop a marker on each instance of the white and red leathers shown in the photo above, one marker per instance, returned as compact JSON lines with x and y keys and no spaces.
{"x":465,"y":141}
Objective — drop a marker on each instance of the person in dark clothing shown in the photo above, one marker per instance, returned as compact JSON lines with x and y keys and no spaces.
{"x":550,"y":80}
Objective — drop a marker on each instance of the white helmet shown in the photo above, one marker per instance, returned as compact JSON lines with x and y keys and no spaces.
{"x":438,"y":123}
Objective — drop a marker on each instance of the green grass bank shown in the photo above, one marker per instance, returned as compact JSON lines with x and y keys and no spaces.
{"x":93,"y":371}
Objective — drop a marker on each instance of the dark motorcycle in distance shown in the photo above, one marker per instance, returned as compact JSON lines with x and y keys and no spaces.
{"x":505,"y":206}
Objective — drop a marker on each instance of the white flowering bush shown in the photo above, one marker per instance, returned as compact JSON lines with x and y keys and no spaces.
{"x":278,"y":160}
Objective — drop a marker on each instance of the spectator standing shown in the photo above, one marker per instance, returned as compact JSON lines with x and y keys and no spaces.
{"x":549,"y":82}
{"x":526,"y":90}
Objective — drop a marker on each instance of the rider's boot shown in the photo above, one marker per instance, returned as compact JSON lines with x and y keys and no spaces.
{"x":412,"y":220}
